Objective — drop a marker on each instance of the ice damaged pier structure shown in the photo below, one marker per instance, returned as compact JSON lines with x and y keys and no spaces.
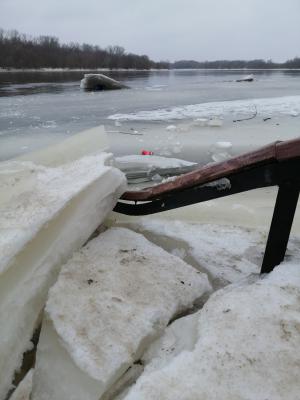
{"x":114,"y":325}
{"x":46,"y":214}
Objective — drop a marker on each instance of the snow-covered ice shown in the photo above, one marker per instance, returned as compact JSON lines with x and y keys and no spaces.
{"x":112,"y":299}
{"x":46,"y":214}
{"x":244,"y":345}
{"x":226,"y":253}
{"x":265,"y":107}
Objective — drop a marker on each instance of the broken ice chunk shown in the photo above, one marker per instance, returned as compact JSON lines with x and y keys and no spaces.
{"x":220,"y":151}
{"x":111,"y":300}
{"x":46,"y":214}
{"x":171,"y":128}
{"x":215,"y":122}
{"x":223,"y":145}
{"x":243,"y":345}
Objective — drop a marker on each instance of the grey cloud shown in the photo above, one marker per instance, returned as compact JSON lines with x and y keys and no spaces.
{"x":166,"y":29}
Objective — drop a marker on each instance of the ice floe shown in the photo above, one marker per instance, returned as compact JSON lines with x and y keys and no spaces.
{"x":244,"y":344}
{"x":113,"y":298}
{"x":46,"y":214}
{"x":264,"y":106}
{"x":221,"y":151}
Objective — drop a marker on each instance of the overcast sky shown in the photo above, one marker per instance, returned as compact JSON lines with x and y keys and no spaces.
{"x":166,"y":29}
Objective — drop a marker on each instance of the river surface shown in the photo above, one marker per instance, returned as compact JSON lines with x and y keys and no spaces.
{"x":37,"y":108}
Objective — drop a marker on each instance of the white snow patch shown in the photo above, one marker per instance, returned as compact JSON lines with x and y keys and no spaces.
{"x":219,"y":184}
{"x":111,"y":299}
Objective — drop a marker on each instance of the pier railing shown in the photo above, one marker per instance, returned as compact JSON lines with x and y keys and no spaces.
{"x":277,"y":164}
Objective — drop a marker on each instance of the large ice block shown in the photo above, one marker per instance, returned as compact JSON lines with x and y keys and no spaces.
{"x":45,"y":215}
{"x":112,"y":299}
{"x":85,"y":143}
{"x":244,"y":344}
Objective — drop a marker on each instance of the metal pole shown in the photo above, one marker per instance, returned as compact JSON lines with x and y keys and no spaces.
{"x":284,"y":211}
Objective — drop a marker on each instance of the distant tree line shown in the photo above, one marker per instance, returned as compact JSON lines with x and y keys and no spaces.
{"x":23,"y":51}
{"x":252,"y":64}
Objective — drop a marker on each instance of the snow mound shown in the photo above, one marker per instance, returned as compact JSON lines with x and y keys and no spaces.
{"x":244,"y":344}
{"x":111,"y":300}
{"x":46,"y":214}
{"x":265,"y":106}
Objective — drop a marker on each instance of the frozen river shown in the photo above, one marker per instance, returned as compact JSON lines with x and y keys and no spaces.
{"x":37,"y":108}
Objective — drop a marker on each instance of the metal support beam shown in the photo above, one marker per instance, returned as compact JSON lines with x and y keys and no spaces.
{"x":283,"y":216}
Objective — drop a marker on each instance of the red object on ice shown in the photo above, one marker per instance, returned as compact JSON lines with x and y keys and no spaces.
{"x":147,"y":153}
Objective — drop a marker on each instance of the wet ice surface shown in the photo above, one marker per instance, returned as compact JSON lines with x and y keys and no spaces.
{"x":40,"y":108}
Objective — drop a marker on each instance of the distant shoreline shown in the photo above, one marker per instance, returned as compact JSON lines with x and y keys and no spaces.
{"x":139,"y":70}
{"x":78,"y":69}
